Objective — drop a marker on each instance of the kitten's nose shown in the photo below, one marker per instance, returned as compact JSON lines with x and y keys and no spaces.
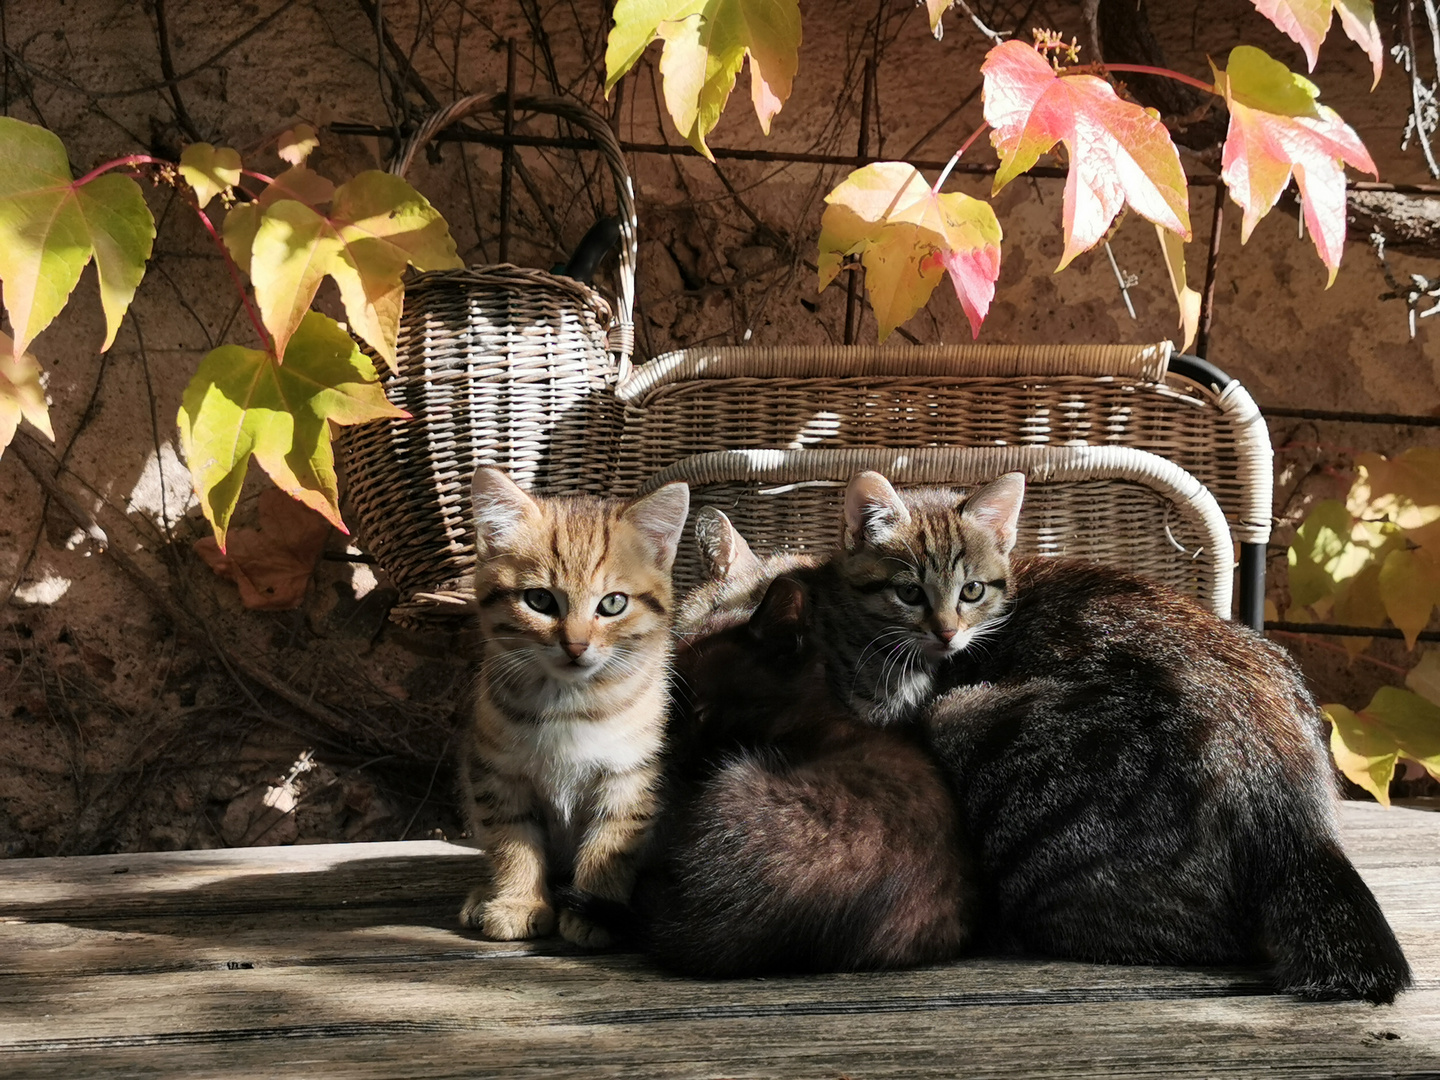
{"x":946,"y":635}
{"x":575,"y":648}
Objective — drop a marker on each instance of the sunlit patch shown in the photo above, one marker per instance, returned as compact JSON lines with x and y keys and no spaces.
{"x":45,"y":591}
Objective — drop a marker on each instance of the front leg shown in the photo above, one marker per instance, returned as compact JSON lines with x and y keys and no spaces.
{"x":605,"y":862}
{"x":505,"y":817}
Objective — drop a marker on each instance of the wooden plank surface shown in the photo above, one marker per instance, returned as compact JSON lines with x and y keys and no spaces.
{"x":345,"y":960}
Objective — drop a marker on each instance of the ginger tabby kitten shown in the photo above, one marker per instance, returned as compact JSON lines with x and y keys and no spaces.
{"x":560,"y":764}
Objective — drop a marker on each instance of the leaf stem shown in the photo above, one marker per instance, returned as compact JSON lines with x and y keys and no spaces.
{"x":955,"y":158}
{"x":255,"y":321}
{"x":267,"y":180}
{"x":1164,"y":73}
{"x":131,"y":159}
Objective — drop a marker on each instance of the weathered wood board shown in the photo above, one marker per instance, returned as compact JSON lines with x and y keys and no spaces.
{"x":346,"y":961}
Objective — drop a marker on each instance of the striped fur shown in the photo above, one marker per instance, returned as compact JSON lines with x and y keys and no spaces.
{"x":560,"y":763}
{"x":891,"y":604}
{"x":1144,"y":781}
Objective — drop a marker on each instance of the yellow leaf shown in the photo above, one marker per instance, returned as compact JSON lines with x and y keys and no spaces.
{"x":934,"y":9}
{"x":1411,"y":721}
{"x":1187,"y":298}
{"x":21,"y":395}
{"x":295,"y":144}
{"x":376,"y":226}
{"x":706,"y":44}
{"x":906,"y":236}
{"x":1358,"y":603}
{"x":1365,"y":755}
{"x":209,"y":171}
{"x":1404,"y":489}
{"x":1424,"y":677}
{"x":243,"y":403}
{"x":1409,"y":589}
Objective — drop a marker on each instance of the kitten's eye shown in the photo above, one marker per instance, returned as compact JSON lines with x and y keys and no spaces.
{"x":613,"y":604}
{"x":907,"y":592}
{"x":541,"y":600}
{"x":972,"y":591}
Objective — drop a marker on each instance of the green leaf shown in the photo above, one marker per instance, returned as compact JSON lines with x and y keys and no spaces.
{"x":1188,"y":300}
{"x":1366,"y":755}
{"x":22,"y":397}
{"x":51,"y":227}
{"x":243,"y":403}
{"x":209,"y":171}
{"x":1410,"y":589}
{"x":376,"y":225}
{"x":1324,"y":553}
{"x":706,"y":44}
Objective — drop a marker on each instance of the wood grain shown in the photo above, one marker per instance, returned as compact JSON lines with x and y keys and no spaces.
{"x":346,"y":960}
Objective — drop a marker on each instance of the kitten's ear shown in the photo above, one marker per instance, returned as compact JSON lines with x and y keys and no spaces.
{"x":779,"y":621}
{"x":996,"y":508}
{"x":501,"y":508}
{"x":659,"y":518}
{"x":873,"y":510}
{"x":723,"y":551}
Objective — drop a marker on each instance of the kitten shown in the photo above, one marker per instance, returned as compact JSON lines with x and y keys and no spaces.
{"x":794,"y":838}
{"x":561,"y":760}
{"x":1145,"y":781}
{"x":883,"y":641}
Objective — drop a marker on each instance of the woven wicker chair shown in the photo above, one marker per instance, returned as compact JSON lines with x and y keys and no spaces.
{"x":701,"y":401}
{"x":1108,"y":504}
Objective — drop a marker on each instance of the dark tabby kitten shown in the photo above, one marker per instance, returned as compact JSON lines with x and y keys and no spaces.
{"x":795,"y":838}
{"x":1145,"y":782}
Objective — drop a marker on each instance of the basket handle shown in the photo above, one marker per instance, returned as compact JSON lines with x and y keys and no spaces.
{"x":622,"y":333}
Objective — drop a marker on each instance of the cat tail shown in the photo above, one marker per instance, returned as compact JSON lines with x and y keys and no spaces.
{"x":1324,"y":929}
{"x":621,"y":920}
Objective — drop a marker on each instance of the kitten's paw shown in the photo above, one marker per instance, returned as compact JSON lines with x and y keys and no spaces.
{"x":505,"y":919}
{"x":583,"y":932}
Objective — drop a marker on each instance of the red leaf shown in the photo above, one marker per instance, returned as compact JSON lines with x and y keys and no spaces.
{"x":1119,"y":152}
{"x":1278,"y":126}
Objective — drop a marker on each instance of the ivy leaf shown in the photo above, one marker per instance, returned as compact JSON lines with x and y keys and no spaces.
{"x":243,"y":221}
{"x":271,"y":565}
{"x":1365,"y":755}
{"x":1173,"y":248}
{"x":706,"y":44}
{"x":209,"y":171}
{"x":51,"y":227}
{"x":1331,"y":548}
{"x":906,"y":235}
{"x":934,"y":9}
{"x":1278,"y":126}
{"x":1306,"y":22}
{"x":1396,"y":722}
{"x":376,"y":226}
{"x":1119,"y":152}
{"x":243,"y":403}
{"x":1404,"y":489}
{"x":1424,"y":677}
{"x":21,"y":395}
{"x":296,"y":143}
{"x":1410,"y":589}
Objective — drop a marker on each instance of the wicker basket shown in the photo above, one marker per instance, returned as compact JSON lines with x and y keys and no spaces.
{"x":1110,"y":504}
{"x":703,"y":400}
{"x":499,"y":365}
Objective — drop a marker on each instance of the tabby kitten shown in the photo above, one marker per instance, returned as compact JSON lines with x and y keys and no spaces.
{"x":1145,"y":781}
{"x":894,"y":599}
{"x":560,"y":762}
